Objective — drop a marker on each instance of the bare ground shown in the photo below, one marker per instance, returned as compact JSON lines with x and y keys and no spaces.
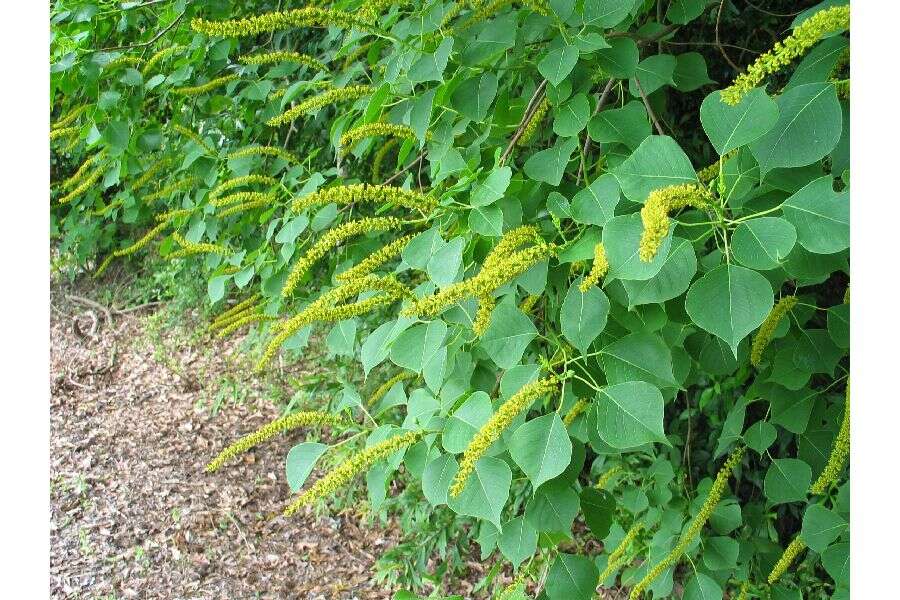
{"x":132,"y":513}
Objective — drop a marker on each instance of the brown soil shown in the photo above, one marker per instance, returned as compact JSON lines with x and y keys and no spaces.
{"x":132,"y":513}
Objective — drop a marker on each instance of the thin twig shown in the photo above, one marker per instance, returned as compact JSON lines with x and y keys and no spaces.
{"x":582,"y":168}
{"x":405,"y":169}
{"x":659,"y":129}
{"x":152,"y":40}
{"x":529,"y":112}
{"x":719,"y":41}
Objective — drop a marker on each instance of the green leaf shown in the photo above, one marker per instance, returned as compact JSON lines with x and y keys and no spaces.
{"x":763,"y":243}
{"x":690,"y":72}
{"x":620,"y":60}
{"x":300,"y":462}
{"x":572,"y":116}
{"x":541,"y":447}
{"x":492,"y":188}
{"x":720,"y":553}
{"x":821,"y":216}
{"x":596,"y":204}
{"x":628,"y":125}
{"x":553,"y":507}
{"x":486,"y":221}
{"x":760,"y":436}
{"x":673,"y":279}
{"x":583,"y":315}
{"x":702,"y":587}
{"x":621,"y":239}
{"x":630,"y":414}
{"x":117,"y":134}
{"x":729,"y":302}
{"x":658,"y":162}
{"x":839,"y":325}
{"x":465,"y":421}
{"x":598,"y":507}
{"x":685,"y":11}
{"x":729,"y":127}
{"x":486,"y":491}
{"x":474,"y":96}
{"x":517,"y":541}
{"x":437,"y":477}
{"x":557,"y":64}
{"x":550,"y":164}
{"x":418,"y":252}
{"x":508,"y":334}
{"x":605,"y":13}
{"x":653,"y":73}
{"x":787,"y":480}
{"x":416,"y":346}
{"x":342,"y":338}
{"x":430,"y":67}
{"x":807,"y":129}
{"x":572,"y":577}
{"x":638,"y":357}
{"x":446,"y":262}
{"x":836,"y":560}
{"x":821,"y":527}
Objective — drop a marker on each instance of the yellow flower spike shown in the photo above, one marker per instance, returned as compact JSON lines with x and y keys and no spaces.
{"x":577,"y":408}
{"x":331,"y":240}
{"x":270,"y":430}
{"x":839,"y":452}
{"x":263,"y":151}
{"x":710,"y":172}
{"x":150,"y":173}
{"x":189,"y":248}
{"x":598,"y":270}
{"x":490,"y":432}
{"x":350,"y":138}
{"x":82,"y":170}
{"x":70,"y":117}
{"x":344,"y":94}
{"x":88,"y":181}
{"x":243,"y":198}
{"x":378,"y":158}
{"x":260,"y":201}
{"x":194,"y":138}
{"x":486,"y":306}
{"x":159,"y":57}
{"x":276,"y":94}
{"x":274,"y":21}
{"x":148,"y":237}
{"x":847,"y":295}
{"x":655,"y":213}
{"x":385,"y":387}
{"x":182,"y":185}
{"x":764,"y":335}
{"x":529,"y":303}
{"x":241,"y":181}
{"x":239,"y":307}
{"x":534,"y":122}
{"x":745,"y":589}
{"x":375,"y":260}
{"x":246,"y":319}
{"x":787,"y":558}
{"x":225,"y":321}
{"x":214,"y":84}
{"x":364,"y":193}
{"x":174,"y":214}
{"x":616,"y":557}
{"x":715,"y":494}
{"x":607,"y":477}
{"x":804,"y":37}
{"x":268,"y":58}
{"x":325,"y":308}
{"x":63,"y":132}
{"x":355,"y":55}
{"x":347,"y":470}
{"x":123,"y":61}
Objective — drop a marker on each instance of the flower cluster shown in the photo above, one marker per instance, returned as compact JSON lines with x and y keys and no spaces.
{"x":241,"y":307}
{"x":189,"y":248}
{"x":255,"y":198}
{"x":607,"y":477}
{"x":83,"y":170}
{"x":173,"y":214}
{"x":331,"y":240}
{"x":598,"y":269}
{"x":617,"y":556}
{"x":805,"y":36}
{"x":385,"y":387}
{"x":326,"y":308}
{"x":86,"y":183}
{"x":364,"y":193}
{"x":486,"y":305}
{"x":263,"y":151}
{"x":268,"y":58}
{"x":270,"y":430}
{"x":767,"y":329}
{"x":181,"y":185}
{"x":148,"y":237}
{"x":158,"y":57}
{"x":123,"y":61}
{"x":375,"y":260}
{"x":242,"y":320}
{"x":490,"y":432}
{"x":534,"y":121}
{"x":150,"y":173}
{"x":839,"y":452}
{"x":273,"y":21}
{"x":236,"y":182}
{"x":70,"y":117}
{"x":193,"y":137}
{"x":344,"y":94}
{"x":710,"y":172}
{"x":715,"y":494}
{"x":655,"y":213}
{"x":350,"y":138}
{"x":213,"y":84}
{"x":579,"y":407}
{"x":787,"y":558}
{"x":528,"y":304}
{"x":63,"y":132}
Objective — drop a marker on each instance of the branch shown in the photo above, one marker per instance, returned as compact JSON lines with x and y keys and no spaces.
{"x":152,"y":40}
{"x":529,"y":112}
{"x":659,"y":129}
{"x":587,"y":138}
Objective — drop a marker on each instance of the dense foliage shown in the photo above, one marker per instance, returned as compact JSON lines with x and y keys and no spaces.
{"x":588,"y":293}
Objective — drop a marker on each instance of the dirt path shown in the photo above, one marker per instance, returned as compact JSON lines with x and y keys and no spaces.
{"x":133,"y":515}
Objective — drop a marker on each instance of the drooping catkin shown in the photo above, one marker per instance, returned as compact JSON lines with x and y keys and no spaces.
{"x":345,"y":94}
{"x":364,"y":193}
{"x":181,"y":185}
{"x":490,"y":432}
{"x":123,"y":61}
{"x":63,"y":132}
{"x":236,"y":182}
{"x":376,"y":259}
{"x":347,"y":470}
{"x":242,"y":198}
{"x":193,"y":137}
{"x":378,"y":158}
{"x":203,"y":88}
{"x":534,"y":122}
{"x":330,"y":241}
{"x":268,"y":58}
{"x":715,"y":494}
{"x":804,"y":37}
{"x":607,"y":476}
{"x":150,"y":173}
{"x":159,"y":57}
{"x":790,"y":554}
{"x":239,"y":307}
{"x":82,"y":187}
{"x":385,"y":387}
{"x":577,"y":408}
{"x":146,"y":239}
{"x":839,"y":452}
{"x":245,"y":319}
{"x":175,"y":213}
{"x":270,"y":430}
{"x":767,"y":330}
{"x":486,"y":305}
{"x":655,"y":213}
{"x":82,"y":170}
{"x":70,"y":117}
{"x":617,"y":556}
{"x":710,"y":172}
{"x":274,"y":21}
{"x":599,"y":268}
{"x":489,"y":9}
{"x":189,"y":248}
{"x":350,"y":138}
{"x":263,"y":151}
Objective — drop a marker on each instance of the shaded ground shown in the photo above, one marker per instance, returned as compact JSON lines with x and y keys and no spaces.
{"x":133,"y":515}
